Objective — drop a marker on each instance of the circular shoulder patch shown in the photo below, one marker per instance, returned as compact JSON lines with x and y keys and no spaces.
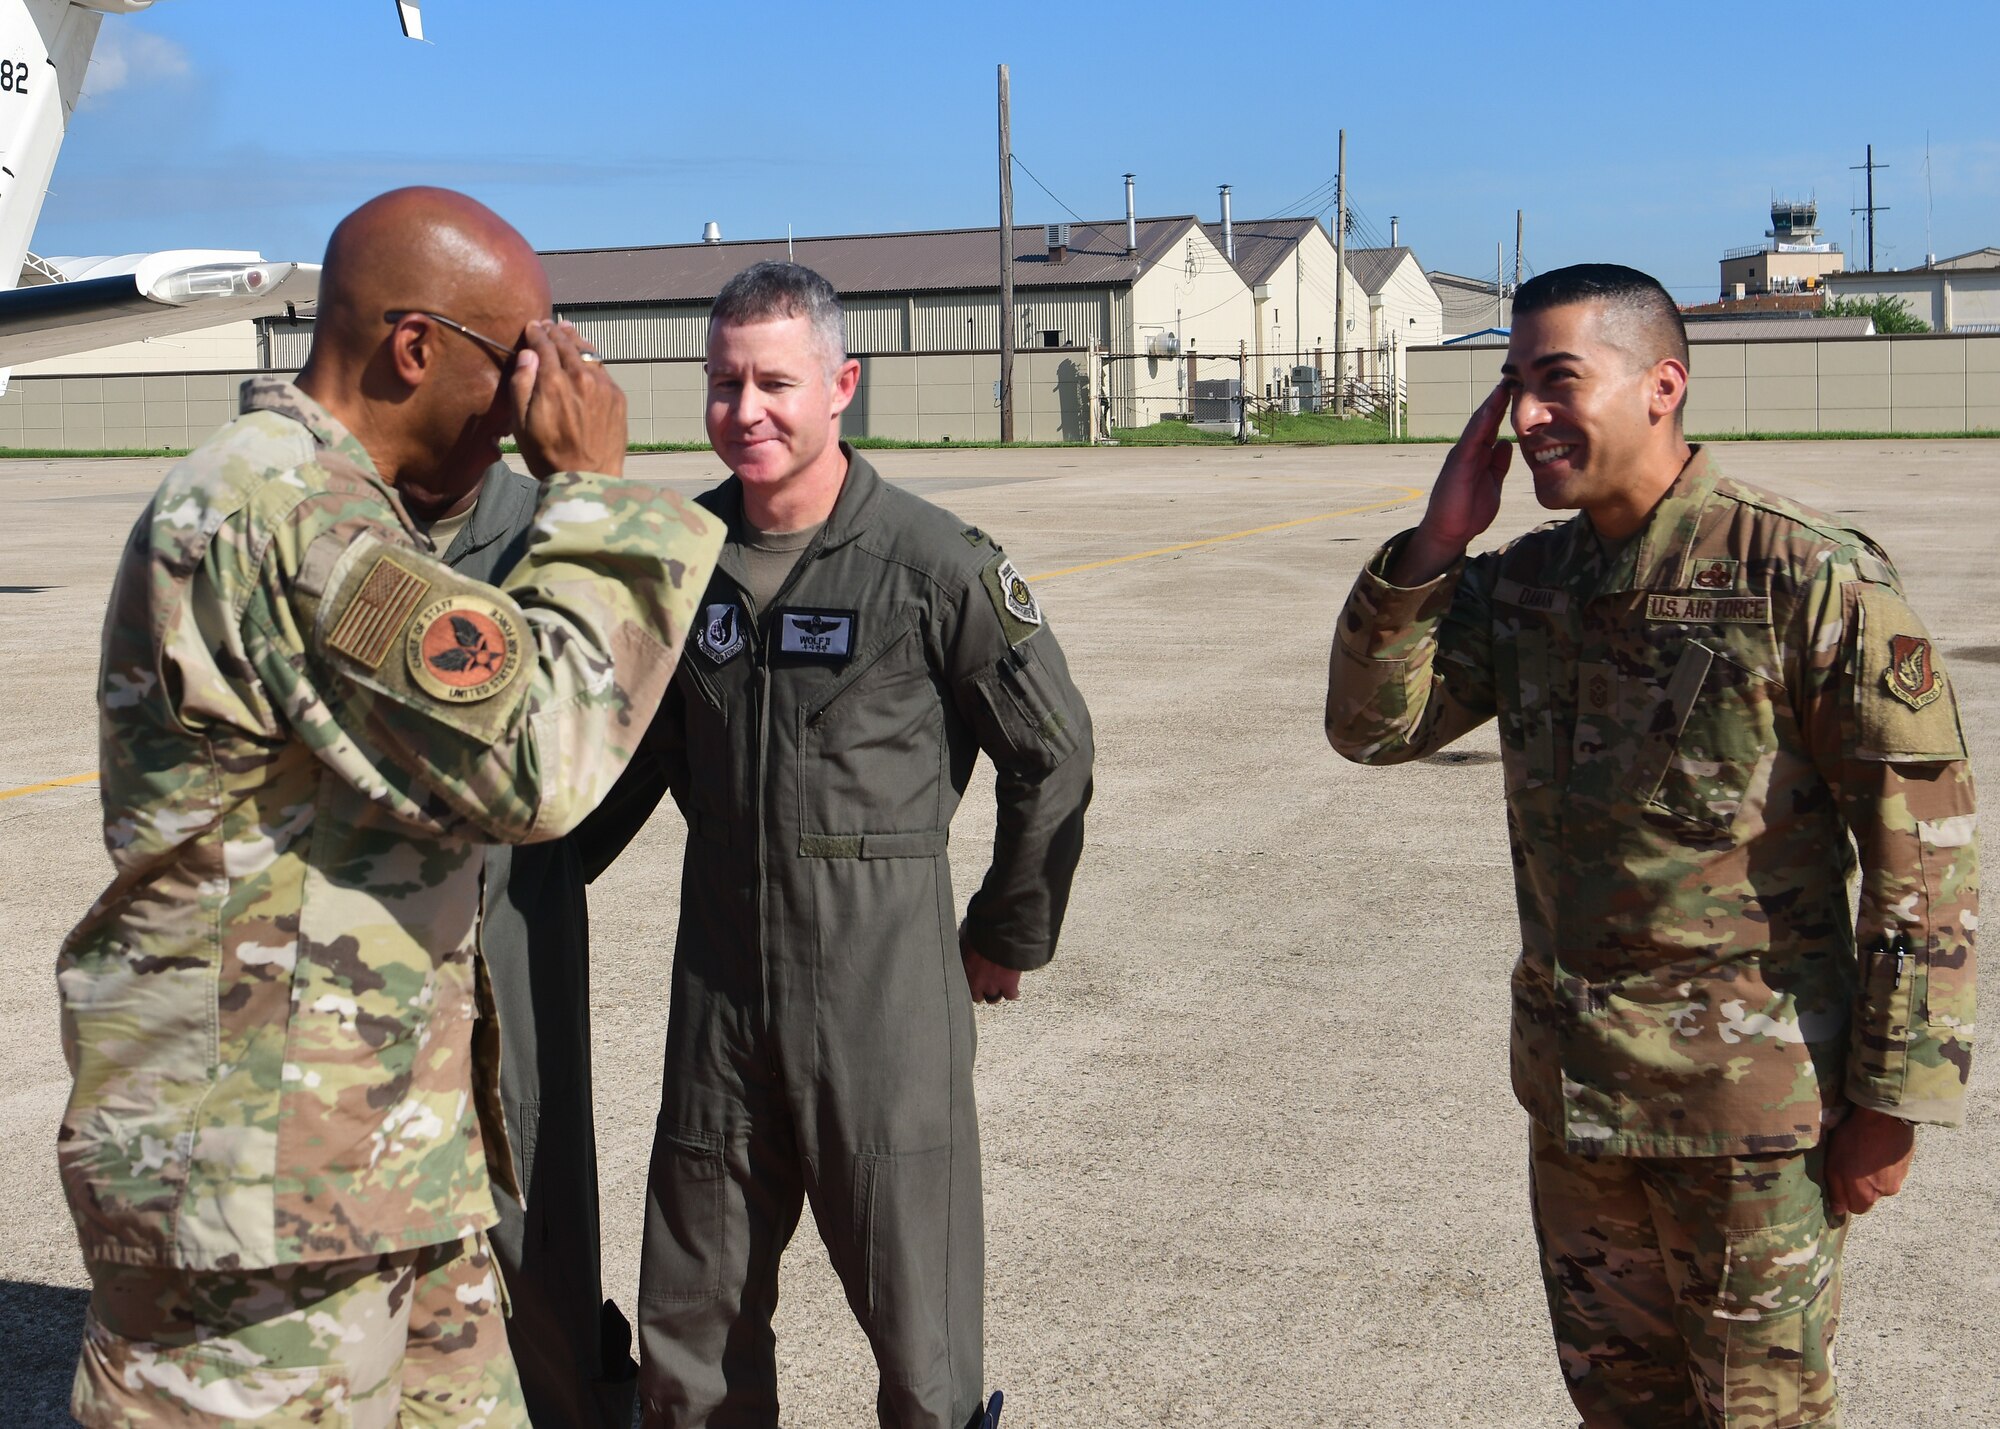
{"x":463,"y":648}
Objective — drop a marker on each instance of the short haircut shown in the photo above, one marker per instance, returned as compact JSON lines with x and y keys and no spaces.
{"x":767,"y":292}
{"x":1652,"y":324}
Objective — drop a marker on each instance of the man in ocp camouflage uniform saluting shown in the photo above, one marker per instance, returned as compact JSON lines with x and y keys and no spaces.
{"x":284,"y":1111}
{"x":1714,"y":705}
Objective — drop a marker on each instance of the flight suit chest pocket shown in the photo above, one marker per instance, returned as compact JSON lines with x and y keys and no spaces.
{"x":870,"y":747}
{"x":1704,"y":760}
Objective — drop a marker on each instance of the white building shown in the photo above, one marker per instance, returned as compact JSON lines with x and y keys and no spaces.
{"x":1960,"y":294}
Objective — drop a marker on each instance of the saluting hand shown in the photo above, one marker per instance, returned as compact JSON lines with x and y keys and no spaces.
{"x":570,"y":412}
{"x":1466,"y":498}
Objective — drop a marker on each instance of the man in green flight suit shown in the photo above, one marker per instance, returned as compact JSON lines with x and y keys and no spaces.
{"x":284,"y":1112}
{"x":856,"y":651}
{"x":571,"y":1346}
{"x":1710,"y":701}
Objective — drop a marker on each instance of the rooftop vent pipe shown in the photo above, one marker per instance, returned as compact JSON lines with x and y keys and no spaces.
{"x":1131,"y":220}
{"x":1395,"y":236}
{"x":711,"y":232}
{"x":1228,"y":233}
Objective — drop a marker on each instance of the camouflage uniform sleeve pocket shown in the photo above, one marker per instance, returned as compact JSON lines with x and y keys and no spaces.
{"x":431,"y":640}
{"x":1904,"y":708}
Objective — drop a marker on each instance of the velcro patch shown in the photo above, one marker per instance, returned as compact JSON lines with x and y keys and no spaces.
{"x":1901,"y":704}
{"x":374,"y":618}
{"x":720,"y":632}
{"x":1697,"y":609}
{"x":1512,"y":592}
{"x":463,"y":648}
{"x":817,"y":634}
{"x":1597,"y":689}
{"x":1713,"y":575}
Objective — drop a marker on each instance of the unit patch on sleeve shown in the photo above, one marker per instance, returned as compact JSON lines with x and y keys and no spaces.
{"x":374,"y":618}
{"x":463,"y":648}
{"x":1020,"y":613}
{"x":719,"y":633}
{"x":1911,"y":677}
{"x":817,"y":634}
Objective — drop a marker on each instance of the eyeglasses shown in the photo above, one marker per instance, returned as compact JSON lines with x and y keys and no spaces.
{"x":500,"y":349}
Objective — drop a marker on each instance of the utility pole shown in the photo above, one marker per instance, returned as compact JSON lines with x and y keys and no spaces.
{"x":1500,"y":284}
{"x":1871,"y":208}
{"x":1517,"y":250}
{"x":1006,"y":268}
{"x":1340,"y":282}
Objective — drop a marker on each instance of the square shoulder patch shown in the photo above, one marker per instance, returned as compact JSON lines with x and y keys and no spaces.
{"x":1903,"y":705}
{"x":417,"y":631}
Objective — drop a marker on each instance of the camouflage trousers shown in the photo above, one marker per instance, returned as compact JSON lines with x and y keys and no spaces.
{"x":1690,"y":1292}
{"x":413,"y":1338}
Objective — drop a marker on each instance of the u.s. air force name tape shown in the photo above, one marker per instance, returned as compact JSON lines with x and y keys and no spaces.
{"x":1710,"y":609}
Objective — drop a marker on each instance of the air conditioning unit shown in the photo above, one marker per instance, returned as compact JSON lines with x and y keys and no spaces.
{"x":1058,"y":234}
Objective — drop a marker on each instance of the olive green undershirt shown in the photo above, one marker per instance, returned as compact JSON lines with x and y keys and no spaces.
{"x":768,"y":558}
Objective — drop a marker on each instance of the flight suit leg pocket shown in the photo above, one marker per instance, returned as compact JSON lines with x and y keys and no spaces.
{"x":681,"y":1261}
{"x":1773,"y":1314}
{"x":903,"y":1214}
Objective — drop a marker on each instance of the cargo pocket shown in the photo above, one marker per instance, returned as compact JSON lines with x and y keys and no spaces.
{"x":681,"y":1262}
{"x":1717,"y":729}
{"x":903,"y":1222}
{"x":1775,"y":1373}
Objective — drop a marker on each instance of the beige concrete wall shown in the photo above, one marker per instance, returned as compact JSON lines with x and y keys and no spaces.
{"x":922,"y":397}
{"x":94,"y":413}
{"x":1872,"y":384}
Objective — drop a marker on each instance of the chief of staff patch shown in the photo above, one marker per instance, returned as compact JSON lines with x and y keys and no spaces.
{"x":1911,"y":676}
{"x":462,"y":649}
{"x":1021,"y":603}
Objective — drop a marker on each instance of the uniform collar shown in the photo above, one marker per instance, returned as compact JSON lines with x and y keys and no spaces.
{"x":847,"y":520}
{"x":503,"y":495}
{"x":1656,"y":558}
{"x":275,"y":394}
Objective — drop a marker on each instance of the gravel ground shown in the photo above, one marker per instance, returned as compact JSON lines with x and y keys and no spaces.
{"x":1250,"y":1155}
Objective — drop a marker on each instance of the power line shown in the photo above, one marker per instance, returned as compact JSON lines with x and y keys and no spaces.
{"x":1049,"y":191}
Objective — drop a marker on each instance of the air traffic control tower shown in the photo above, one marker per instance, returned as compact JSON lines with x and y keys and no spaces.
{"x":1792,"y":259}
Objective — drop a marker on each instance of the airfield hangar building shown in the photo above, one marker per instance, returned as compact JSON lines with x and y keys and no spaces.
{"x":1113,"y":310}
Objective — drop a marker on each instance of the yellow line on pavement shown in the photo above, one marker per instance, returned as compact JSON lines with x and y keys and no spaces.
{"x":1408,"y":493}
{"x":50,"y":784}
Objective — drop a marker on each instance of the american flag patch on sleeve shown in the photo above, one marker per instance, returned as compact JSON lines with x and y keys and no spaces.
{"x":368,"y":628}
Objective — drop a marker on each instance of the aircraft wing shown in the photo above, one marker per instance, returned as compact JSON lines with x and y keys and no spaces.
{"x":412,"y":17}
{"x":146,"y":295}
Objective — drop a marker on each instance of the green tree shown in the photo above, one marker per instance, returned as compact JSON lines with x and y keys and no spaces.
{"x":1890,"y":314}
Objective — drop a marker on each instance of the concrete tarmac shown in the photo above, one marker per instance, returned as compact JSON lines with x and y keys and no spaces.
{"x":1250,"y":1155}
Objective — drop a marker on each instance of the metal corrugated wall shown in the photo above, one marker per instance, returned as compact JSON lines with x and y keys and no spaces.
{"x":286,"y":345}
{"x":645,"y":331}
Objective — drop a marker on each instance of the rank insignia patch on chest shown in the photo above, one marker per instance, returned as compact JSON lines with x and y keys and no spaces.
{"x":816,"y":634}
{"x":1021,"y":602}
{"x":719,"y":634}
{"x":1714,"y":575}
{"x":463,"y":648}
{"x":1911,"y":676}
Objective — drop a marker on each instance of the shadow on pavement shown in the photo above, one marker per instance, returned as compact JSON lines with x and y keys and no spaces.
{"x":40,"y":1329}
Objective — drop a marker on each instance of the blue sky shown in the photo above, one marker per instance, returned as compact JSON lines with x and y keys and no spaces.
{"x":1625,"y":136}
